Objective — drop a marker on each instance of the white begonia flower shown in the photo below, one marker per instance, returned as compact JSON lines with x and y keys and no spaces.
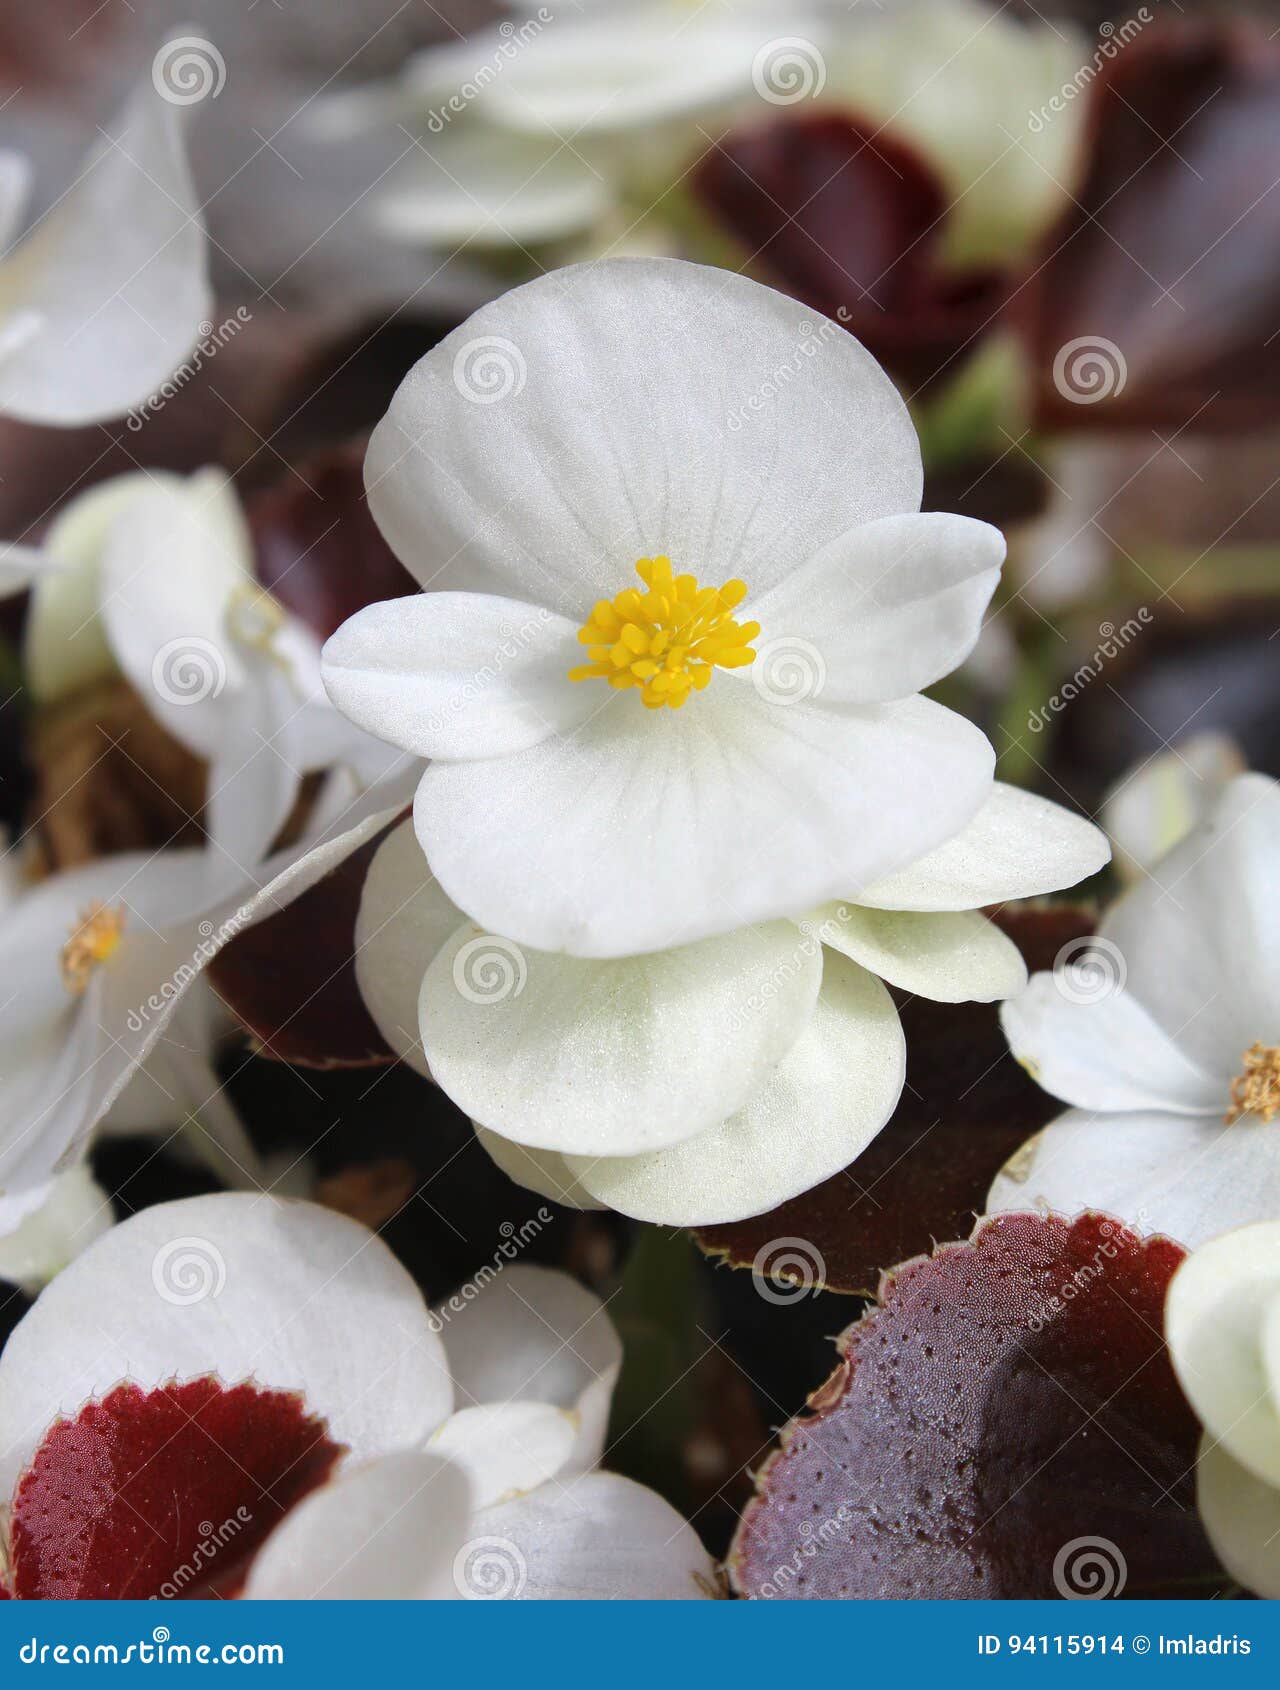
{"x":628,"y":486}
{"x":718,"y":1079}
{"x":75,"y":1211}
{"x":272,"y":1366}
{"x":1222,"y":1325}
{"x":155,"y":580}
{"x":1162,"y":1036}
{"x":106,"y":294}
{"x":1157,"y":804}
{"x":990,"y":100}
{"x":95,"y":964}
{"x":533,"y":132}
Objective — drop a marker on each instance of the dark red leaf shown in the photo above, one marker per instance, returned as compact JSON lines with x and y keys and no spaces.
{"x":1170,"y":250}
{"x":1010,"y":1399}
{"x":291,"y":980}
{"x":162,"y":1493}
{"x":850,"y":221}
{"x":967,"y":1106}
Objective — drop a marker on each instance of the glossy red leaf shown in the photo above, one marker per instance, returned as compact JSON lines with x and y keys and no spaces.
{"x":850,"y":221}
{"x":1005,"y":1424}
{"x":167,"y":1492}
{"x":966,"y":1108}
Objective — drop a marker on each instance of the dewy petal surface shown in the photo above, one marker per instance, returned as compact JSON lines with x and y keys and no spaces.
{"x":613,"y":1057}
{"x":640,"y":833}
{"x":586,"y":420}
{"x":820,"y":1106}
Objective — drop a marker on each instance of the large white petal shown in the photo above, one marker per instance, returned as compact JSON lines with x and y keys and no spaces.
{"x":819,"y":1109}
{"x":1201,"y":935}
{"x":613,"y":1058}
{"x":531,"y":1334}
{"x":543,"y":1171}
{"x":1083,"y":1037}
{"x":586,"y":420}
{"x":507,"y":1448}
{"x":1214,"y":1319}
{"x":403,"y":920}
{"x":600,"y":1539}
{"x":953,"y":956}
{"x":386,"y":1531}
{"x":1017,"y":846}
{"x":653,"y":828}
{"x":1171,"y":1174}
{"x":458,"y":674}
{"x":113,"y":277}
{"x":290,"y":1295}
{"x":888,"y":609}
{"x":1241,"y":1514}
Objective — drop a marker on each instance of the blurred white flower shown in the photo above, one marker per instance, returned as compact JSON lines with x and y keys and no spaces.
{"x":1150,"y":809}
{"x":1222,"y":1324}
{"x":269,"y":1374}
{"x":713,"y":1081}
{"x":1165,"y":1047}
{"x":555,"y":475}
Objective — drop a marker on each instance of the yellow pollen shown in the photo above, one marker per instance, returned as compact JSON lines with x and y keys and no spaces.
{"x":666,"y":640}
{"x":254,"y":618}
{"x":1257,"y":1090}
{"x":93,"y":940}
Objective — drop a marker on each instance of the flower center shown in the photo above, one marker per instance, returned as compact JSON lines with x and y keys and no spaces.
{"x":91,"y":943}
{"x":667,"y":639}
{"x":1257,"y":1090}
{"x":254,"y":618}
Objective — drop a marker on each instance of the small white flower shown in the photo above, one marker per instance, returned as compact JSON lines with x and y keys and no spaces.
{"x":104,"y":296}
{"x":410,"y":1455}
{"x":1222,"y":1324}
{"x":719,"y":1079}
{"x":1174,"y":1076}
{"x":604,"y":540}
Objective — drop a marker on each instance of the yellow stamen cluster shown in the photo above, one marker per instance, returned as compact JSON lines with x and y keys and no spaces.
{"x":254,"y":618}
{"x":1257,"y":1090}
{"x":666,"y":640}
{"x":92,"y":941}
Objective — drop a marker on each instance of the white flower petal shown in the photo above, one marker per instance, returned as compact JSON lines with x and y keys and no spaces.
{"x":544,"y":446}
{"x":821,"y":1106}
{"x":76,"y":1210}
{"x":641,"y":833}
{"x":1214,"y":1319}
{"x":532,"y":1334}
{"x":891,"y":607}
{"x":601,"y":1538}
{"x":15,"y":186}
{"x":1017,"y":846}
{"x":613,"y":1058}
{"x":1170,"y":1174}
{"x":403,"y":920}
{"x":290,"y":1295}
{"x":954,"y":956}
{"x":1201,"y":935}
{"x":508,"y":1448}
{"x":115,"y":275}
{"x":387,"y":1530}
{"x":1241,"y":1514}
{"x":23,"y":566}
{"x":1156,"y":805}
{"x":1091,"y":1043}
{"x":543,"y":1171}
{"x":457,"y":674}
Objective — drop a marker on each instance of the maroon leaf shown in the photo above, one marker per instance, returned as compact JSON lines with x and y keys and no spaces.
{"x":850,"y":221}
{"x":318,"y":548}
{"x":967,"y":1106}
{"x":1005,"y":1424}
{"x":291,"y":980}
{"x":1169,"y":253}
